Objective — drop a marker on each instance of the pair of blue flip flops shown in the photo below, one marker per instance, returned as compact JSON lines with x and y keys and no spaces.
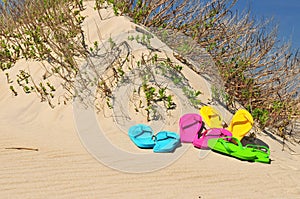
{"x":142,"y":136}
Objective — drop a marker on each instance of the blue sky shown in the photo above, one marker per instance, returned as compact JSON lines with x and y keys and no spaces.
{"x":285,"y":12}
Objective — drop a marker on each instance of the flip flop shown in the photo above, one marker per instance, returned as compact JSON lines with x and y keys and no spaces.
{"x":189,"y":124}
{"x":141,"y":135}
{"x":250,"y":152}
{"x":262,"y":153}
{"x":228,"y":148}
{"x":166,"y":141}
{"x":241,"y":124}
{"x":209,"y":134}
{"x":211,"y":117}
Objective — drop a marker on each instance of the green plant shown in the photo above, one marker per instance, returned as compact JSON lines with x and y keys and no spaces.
{"x":215,"y":92}
{"x":131,"y":38}
{"x":111,"y":43}
{"x":108,"y":103}
{"x":9,"y":81}
{"x":48,"y":31}
{"x":192,"y":95}
{"x":144,"y":40}
{"x":211,"y":46}
{"x":162,"y":93}
{"x":120,"y":72}
{"x":137,"y":38}
{"x":115,"y":10}
{"x":149,"y":92}
{"x":178,"y":67}
{"x":184,"y":48}
{"x":13,"y":90}
{"x":176,"y":79}
{"x":262,"y":115}
{"x":154,"y":94}
{"x":95,"y":49}
{"x":170,"y":103}
{"x":164,"y":35}
{"x":277,"y":106}
{"x":150,"y":95}
{"x":154,"y":58}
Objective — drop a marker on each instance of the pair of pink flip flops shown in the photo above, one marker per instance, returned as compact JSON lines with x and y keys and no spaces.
{"x":191,"y":126}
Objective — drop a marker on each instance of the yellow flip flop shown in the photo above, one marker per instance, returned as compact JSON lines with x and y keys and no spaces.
{"x":211,"y":117}
{"x":241,"y":124}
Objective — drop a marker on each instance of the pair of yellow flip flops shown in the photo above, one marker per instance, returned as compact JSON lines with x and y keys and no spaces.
{"x":240,"y":125}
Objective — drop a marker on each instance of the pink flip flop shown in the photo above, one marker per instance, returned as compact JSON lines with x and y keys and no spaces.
{"x":208,"y":134}
{"x":190,"y":124}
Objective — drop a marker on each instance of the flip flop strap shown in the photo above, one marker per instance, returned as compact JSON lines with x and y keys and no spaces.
{"x":240,"y":122}
{"x":246,"y":116}
{"x":259,"y":147}
{"x":199,"y":134}
{"x":192,"y":124}
{"x":225,"y":145}
{"x":141,"y":133}
{"x":245,"y":121}
{"x":236,"y":140}
{"x":215,"y":115}
{"x":233,"y":138}
{"x":207,"y":130}
{"x":154,"y":137}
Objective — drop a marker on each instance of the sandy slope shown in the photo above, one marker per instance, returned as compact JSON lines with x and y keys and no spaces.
{"x":62,"y":167}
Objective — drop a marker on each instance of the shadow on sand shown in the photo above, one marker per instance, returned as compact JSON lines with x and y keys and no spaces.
{"x":252,"y":140}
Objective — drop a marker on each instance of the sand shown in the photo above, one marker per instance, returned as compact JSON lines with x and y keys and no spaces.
{"x":65,"y":167}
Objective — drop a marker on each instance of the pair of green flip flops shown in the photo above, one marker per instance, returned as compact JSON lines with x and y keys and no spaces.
{"x":250,"y":152}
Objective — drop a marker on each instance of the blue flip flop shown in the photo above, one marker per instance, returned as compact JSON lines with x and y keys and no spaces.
{"x":142,"y":136}
{"x":166,"y":141}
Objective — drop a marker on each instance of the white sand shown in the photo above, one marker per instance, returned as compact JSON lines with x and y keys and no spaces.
{"x":63,"y":168}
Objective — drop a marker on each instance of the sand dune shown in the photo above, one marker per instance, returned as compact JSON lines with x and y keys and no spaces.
{"x":63,"y":167}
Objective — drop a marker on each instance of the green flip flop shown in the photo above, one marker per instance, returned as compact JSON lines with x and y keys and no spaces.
{"x":228,"y":148}
{"x":253,"y":153}
{"x":262,"y":152}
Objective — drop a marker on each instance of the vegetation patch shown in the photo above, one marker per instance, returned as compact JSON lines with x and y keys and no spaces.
{"x":255,"y":70}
